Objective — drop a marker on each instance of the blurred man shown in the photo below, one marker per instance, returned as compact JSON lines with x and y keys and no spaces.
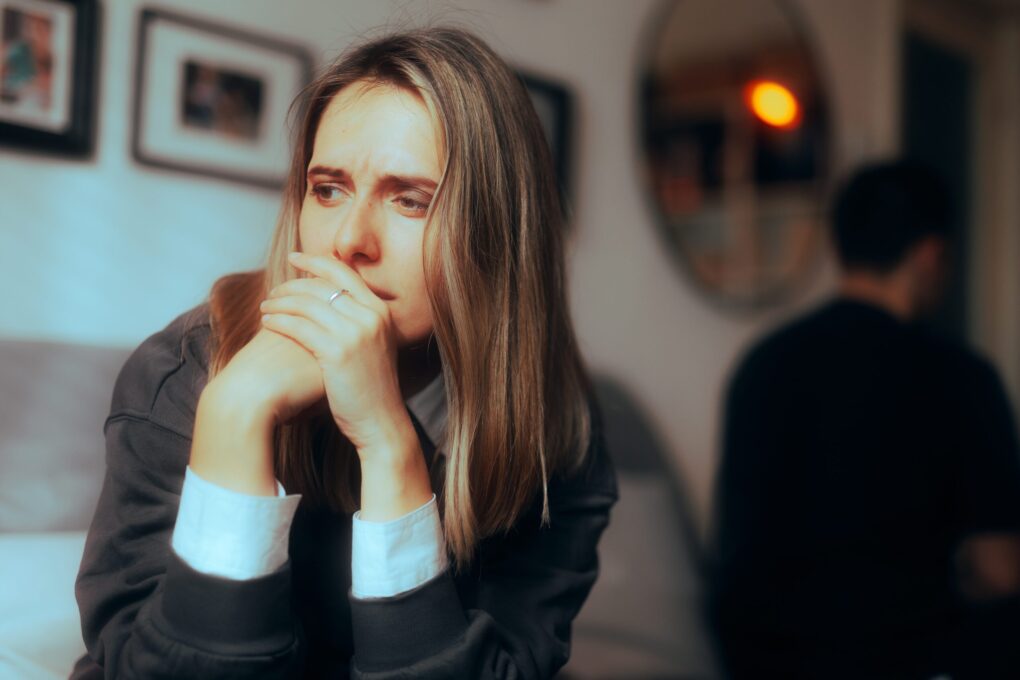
{"x":869,"y":489}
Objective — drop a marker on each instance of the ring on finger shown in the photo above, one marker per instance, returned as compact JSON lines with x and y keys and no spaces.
{"x":336,"y":294}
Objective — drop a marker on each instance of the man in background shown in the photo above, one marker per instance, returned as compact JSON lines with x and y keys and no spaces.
{"x":869,"y":488}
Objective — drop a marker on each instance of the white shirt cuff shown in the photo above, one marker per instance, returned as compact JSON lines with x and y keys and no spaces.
{"x":230,"y":534}
{"x":389,"y":558}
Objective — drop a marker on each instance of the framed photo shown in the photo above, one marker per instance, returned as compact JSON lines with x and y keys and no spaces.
{"x":213,"y":100}
{"x":555,"y":108}
{"x":47,"y":75}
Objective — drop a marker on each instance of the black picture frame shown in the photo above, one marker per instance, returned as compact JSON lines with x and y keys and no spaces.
{"x":554,"y":103}
{"x":216,"y":34}
{"x":76,"y":137}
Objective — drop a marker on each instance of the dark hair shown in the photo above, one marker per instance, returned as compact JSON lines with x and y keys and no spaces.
{"x":884,"y":209}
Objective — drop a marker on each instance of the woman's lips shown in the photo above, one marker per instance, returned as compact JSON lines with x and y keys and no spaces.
{"x":382,"y":294}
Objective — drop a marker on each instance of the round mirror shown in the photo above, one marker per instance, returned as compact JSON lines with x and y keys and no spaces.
{"x":735,"y":135}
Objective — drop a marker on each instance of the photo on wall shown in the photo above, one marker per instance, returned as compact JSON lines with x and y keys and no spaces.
{"x":222,"y":101}
{"x":47,"y":75}
{"x":213,"y":100}
{"x":554,"y":105}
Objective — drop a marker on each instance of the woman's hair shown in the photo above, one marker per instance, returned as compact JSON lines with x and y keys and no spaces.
{"x":516,"y":387}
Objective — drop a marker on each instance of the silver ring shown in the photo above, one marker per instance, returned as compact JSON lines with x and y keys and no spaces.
{"x":336,"y":294}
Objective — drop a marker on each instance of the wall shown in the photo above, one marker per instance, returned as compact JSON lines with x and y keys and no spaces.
{"x":106,"y":251}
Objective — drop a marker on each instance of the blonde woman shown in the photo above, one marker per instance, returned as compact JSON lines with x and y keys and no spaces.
{"x":377,"y":457}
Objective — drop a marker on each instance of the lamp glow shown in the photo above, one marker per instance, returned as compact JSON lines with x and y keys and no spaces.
{"x":773,"y":104}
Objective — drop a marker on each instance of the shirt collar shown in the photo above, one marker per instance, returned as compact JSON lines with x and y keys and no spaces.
{"x":429,"y":407}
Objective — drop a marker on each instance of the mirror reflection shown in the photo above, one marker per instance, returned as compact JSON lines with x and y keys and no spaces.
{"x":735,"y":135}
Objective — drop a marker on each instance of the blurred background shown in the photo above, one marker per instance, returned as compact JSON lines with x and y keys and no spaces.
{"x":698,"y":143}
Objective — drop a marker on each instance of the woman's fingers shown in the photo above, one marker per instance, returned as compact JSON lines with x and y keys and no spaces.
{"x":312,"y":287}
{"x":340,"y":275}
{"x":344,"y":317}
{"x":328,"y":317}
{"x":311,"y":297}
{"x":305,"y":332}
{"x":335,"y":298}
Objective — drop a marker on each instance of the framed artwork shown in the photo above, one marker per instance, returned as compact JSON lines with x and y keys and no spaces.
{"x":555,"y":107}
{"x":48,"y":75}
{"x":213,"y":100}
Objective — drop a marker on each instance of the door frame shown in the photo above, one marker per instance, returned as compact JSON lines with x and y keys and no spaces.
{"x":989,"y":37}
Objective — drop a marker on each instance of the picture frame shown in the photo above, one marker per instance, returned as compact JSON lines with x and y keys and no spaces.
{"x":213,"y":100}
{"x":48,"y":76}
{"x":554,"y":104}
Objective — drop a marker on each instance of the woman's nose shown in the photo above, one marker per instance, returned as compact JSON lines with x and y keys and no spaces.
{"x":356,"y":237}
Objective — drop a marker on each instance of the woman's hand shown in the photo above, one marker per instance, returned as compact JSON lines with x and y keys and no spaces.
{"x":269,"y":381}
{"x":272,"y":377}
{"x":353,"y":342}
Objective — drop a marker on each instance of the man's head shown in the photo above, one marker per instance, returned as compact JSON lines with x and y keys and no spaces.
{"x":891,"y":225}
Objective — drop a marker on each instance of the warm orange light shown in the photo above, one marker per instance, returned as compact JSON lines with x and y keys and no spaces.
{"x":774,"y":104}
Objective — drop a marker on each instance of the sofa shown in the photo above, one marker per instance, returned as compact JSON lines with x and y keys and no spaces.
{"x":53,"y":399}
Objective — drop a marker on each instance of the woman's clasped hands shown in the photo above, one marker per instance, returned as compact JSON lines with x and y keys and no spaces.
{"x":350,"y":336}
{"x":315,"y":344}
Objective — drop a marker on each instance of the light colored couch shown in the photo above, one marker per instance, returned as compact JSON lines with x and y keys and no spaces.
{"x":40,"y":632}
{"x":53,"y":399}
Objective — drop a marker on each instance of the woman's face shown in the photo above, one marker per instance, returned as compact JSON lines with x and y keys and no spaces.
{"x":373,"y":172}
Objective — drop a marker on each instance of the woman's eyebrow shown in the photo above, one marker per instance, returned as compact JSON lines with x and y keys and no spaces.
{"x":411,"y":181}
{"x":338,"y":173}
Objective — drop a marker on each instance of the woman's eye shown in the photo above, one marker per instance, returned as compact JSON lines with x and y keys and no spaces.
{"x":326,"y":192}
{"x":409,"y":203}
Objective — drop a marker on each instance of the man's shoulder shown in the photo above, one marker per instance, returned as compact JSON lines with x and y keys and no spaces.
{"x":786,"y":342}
{"x":968,"y":371}
{"x":164,"y":376}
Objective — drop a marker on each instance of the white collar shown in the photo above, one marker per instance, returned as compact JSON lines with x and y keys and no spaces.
{"x":429,"y":407}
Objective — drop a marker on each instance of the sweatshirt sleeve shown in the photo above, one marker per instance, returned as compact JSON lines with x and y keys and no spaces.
{"x":516,"y":620}
{"x":145,"y":612}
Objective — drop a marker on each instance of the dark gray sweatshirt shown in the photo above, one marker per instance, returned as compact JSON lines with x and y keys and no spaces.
{"x":146,"y":614}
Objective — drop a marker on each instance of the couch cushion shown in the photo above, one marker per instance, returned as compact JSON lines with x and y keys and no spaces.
{"x":40,"y":632}
{"x":53,"y":400}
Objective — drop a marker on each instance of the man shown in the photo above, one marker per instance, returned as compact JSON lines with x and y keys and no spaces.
{"x":870,"y":481}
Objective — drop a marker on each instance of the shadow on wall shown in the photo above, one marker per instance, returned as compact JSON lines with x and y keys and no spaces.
{"x":645,"y":617}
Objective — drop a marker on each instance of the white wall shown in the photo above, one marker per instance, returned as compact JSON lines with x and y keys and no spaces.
{"x":107,"y":251}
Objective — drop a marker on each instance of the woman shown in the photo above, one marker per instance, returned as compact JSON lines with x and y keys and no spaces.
{"x":409,"y":334}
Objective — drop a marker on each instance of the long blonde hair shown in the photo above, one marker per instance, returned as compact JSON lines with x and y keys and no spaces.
{"x":516,"y":387}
